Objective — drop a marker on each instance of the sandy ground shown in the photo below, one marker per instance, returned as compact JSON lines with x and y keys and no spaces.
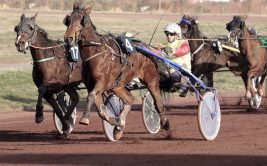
{"x":241,"y":141}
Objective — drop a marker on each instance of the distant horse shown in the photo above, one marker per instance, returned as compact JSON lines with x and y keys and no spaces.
{"x":53,"y":71}
{"x":103,"y":54}
{"x":252,"y":49}
{"x":205,"y":58}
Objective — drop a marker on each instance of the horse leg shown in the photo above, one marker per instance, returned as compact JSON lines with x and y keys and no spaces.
{"x":260,"y":85}
{"x":90,"y":101}
{"x":128,"y":99}
{"x":39,"y":106}
{"x":74,"y":101}
{"x":152,"y":81}
{"x":51,"y":99}
{"x":208,"y":79}
{"x":95,"y":96}
{"x":248,"y":87}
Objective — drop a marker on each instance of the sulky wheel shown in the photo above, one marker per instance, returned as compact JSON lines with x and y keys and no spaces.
{"x":64,"y":102}
{"x":114,"y":106}
{"x":151,"y":116}
{"x":209,"y":116}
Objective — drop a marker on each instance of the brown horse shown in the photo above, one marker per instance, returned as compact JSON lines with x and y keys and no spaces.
{"x":103,"y":56}
{"x":205,"y":58}
{"x":52,"y":72}
{"x":252,"y":49}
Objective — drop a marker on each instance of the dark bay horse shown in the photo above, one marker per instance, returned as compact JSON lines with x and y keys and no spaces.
{"x":107,"y":70}
{"x":252,"y":49}
{"x":52,"y":72}
{"x":205,"y":59}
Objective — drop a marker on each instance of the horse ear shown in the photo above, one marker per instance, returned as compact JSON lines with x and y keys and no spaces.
{"x":34,"y":17}
{"x":22,"y":17}
{"x":88,"y":8}
{"x":244,"y":17}
{"x":76,"y":5}
{"x":196,"y":21}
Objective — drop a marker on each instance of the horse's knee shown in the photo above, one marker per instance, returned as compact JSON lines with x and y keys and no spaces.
{"x":248,"y":94}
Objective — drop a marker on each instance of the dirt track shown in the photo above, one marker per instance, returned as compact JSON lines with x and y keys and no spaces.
{"x":241,"y":141}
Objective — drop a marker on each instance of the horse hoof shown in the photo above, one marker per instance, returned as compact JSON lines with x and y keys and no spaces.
{"x":166,"y":125}
{"x":84,"y":121}
{"x":117,"y":133}
{"x":252,"y":109}
{"x":116,"y":121}
{"x":39,"y":119}
{"x":62,"y":137}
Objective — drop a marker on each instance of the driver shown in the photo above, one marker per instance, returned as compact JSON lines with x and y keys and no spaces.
{"x":178,"y":50}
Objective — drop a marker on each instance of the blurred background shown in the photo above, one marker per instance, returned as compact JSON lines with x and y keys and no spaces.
{"x":180,"y":6}
{"x":138,"y":17}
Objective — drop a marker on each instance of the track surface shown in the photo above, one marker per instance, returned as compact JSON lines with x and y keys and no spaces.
{"x":241,"y":141}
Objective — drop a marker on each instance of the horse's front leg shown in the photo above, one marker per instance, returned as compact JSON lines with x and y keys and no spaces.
{"x":39,"y":106}
{"x":74,"y":97}
{"x":51,"y":99}
{"x":90,"y":101}
{"x":260,"y":85}
{"x":208,"y":79}
{"x":94,"y":94}
{"x":248,"y":87}
{"x":128,"y":99}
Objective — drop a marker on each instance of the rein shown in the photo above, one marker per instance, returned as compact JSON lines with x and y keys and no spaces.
{"x":46,"y":48}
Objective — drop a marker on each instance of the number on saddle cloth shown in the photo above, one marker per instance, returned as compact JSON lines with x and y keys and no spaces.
{"x":75,"y":54}
{"x":126,"y":45}
{"x":217,"y":46}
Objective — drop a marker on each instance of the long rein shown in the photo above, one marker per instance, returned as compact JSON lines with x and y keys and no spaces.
{"x":107,"y":50}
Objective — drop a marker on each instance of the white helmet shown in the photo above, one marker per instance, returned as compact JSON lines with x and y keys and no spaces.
{"x":173,"y":28}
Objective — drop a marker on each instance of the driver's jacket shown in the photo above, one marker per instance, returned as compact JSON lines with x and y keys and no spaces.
{"x":180,"y":53}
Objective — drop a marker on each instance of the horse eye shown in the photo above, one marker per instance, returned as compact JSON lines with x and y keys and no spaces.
{"x":66,"y":20}
{"x":30,"y":27}
{"x":16,"y":29}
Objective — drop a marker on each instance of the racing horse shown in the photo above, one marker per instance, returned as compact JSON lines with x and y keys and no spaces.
{"x":253,"y":49}
{"x":205,"y":57}
{"x":53,"y":71}
{"x":109,"y":73}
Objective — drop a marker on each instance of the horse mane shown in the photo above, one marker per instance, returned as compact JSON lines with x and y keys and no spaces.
{"x":45,"y":36}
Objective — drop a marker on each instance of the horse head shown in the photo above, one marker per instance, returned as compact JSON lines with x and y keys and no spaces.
{"x":187,"y":24}
{"x":75,"y":22}
{"x":26,"y":32}
{"x":235,"y":28}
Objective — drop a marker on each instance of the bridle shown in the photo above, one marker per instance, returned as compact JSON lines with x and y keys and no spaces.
{"x":189,"y":30}
{"x":238,"y":31}
{"x":22,"y":28}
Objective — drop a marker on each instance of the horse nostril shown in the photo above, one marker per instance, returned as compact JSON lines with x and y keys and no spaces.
{"x":69,"y":40}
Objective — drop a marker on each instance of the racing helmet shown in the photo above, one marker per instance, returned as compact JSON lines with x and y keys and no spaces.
{"x":173,"y":28}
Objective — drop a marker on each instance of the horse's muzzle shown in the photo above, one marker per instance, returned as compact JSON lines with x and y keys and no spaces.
{"x":19,"y":48}
{"x":70,"y":41}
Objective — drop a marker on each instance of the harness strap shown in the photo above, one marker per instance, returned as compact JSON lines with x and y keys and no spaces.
{"x":96,"y":55}
{"x":43,"y":60}
{"x":45,"y":48}
{"x":198,"y":49}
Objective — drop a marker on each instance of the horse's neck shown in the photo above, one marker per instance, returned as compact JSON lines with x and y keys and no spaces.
{"x":195,"y":44}
{"x":40,"y":41}
{"x":245,"y":43}
{"x":93,"y":36}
